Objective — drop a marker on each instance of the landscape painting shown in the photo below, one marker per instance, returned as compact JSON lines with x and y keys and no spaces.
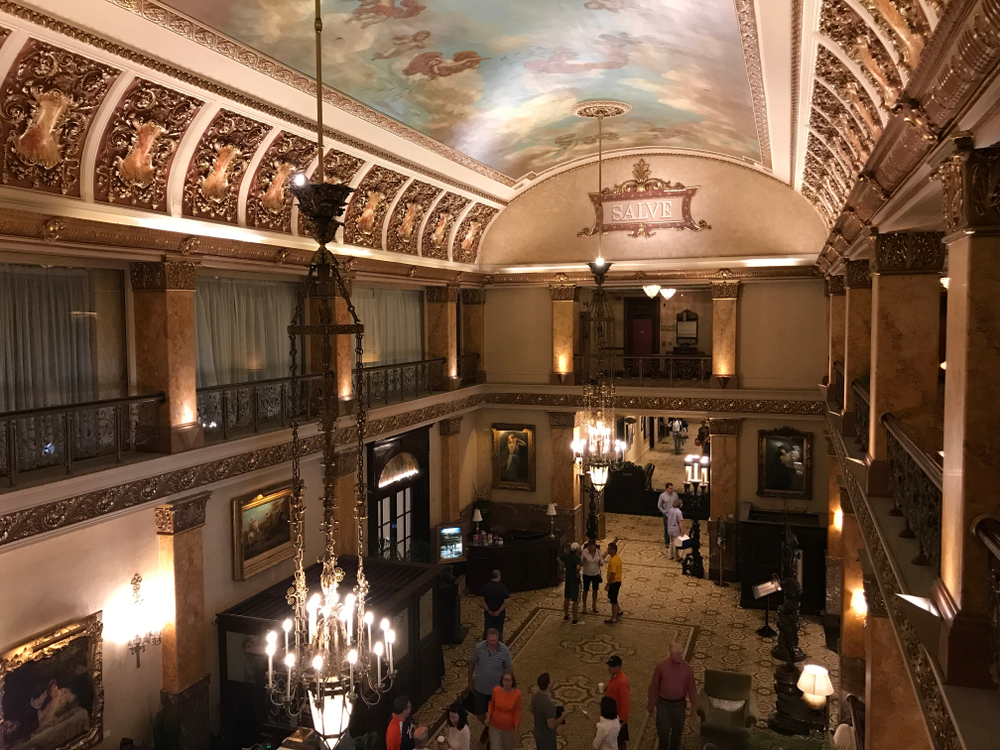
{"x":262,"y":533}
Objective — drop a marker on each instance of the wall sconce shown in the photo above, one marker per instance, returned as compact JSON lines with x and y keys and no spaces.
{"x":578,"y":447}
{"x":151,"y":637}
{"x":858,"y":603}
{"x":944,"y":281}
{"x":838,"y":519}
{"x":814,"y":682}
{"x":551,"y":513}
{"x":651,"y":290}
{"x":667,"y":293}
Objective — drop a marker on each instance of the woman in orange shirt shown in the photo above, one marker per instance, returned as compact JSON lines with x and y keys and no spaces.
{"x":504,"y":715}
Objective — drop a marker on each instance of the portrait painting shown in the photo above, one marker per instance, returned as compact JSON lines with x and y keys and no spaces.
{"x":51,"y":690}
{"x":262,"y":532}
{"x":784,"y":464}
{"x":514,"y":457}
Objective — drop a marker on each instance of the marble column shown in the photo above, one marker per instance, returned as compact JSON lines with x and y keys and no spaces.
{"x":724,"y":320}
{"x":474,"y":328}
{"x":165,"y":356}
{"x":906,"y":310}
{"x":852,"y":622}
{"x":442,"y":332}
{"x":564,"y":480}
{"x":346,"y":487}
{"x":834,"y":543}
{"x":563,"y":317}
{"x":893,"y":717}
{"x":835,"y":299}
{"x":451,"y":465}
{"x":724,"y":493}
{"x":857,"y":333}
{"x":342,"y":357}
{"x":971,"y":412}
{"x":184,"y":696}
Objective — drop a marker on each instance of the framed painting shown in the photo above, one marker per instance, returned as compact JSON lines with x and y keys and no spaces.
{"x":51,"y":690}
{"x":784,"y":464}
{"x":514,"y":457}
{"x":262,"y":532}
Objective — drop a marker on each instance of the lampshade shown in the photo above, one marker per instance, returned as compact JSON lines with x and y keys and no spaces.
{"x":667,"y":293}
{"x":652,"y":290}
{"x":551,"y":510}
{"x":815,"y":680}
{"x":477,"y":517}
{"x":599,"y":476}
{"x":331,"y":711}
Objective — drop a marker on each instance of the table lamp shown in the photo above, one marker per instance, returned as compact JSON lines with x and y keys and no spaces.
{"x":477,"y":518}
{"x":551,"y":513}
{"x":814,"y":682}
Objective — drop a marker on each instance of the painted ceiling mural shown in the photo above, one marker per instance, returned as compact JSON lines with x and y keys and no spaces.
{"x":496,"y":80}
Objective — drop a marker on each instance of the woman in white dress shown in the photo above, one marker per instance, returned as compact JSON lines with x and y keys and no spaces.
{"x":457,"y":737}
{"x":609,"y":726}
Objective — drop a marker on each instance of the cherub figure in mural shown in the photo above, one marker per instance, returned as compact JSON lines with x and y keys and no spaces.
{"x":403,"y":44}
{"x":371,"y":12}
{"x":433,"y":64}
{"x":563,"y":61}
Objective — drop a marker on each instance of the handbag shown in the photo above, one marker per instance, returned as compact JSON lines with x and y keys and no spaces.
{"x":697,"y":441}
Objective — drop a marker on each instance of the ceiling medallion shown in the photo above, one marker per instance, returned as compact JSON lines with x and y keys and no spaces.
{"x":601,"y":108}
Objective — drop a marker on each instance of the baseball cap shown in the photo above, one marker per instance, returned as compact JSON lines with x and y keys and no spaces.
{"x":614,"y":661}
{"x":574,"y":546}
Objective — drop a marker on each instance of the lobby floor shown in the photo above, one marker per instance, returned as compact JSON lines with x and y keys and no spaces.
{"x":654,"y":595}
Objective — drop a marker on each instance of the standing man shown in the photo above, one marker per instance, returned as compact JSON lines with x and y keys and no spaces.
{"x":592,"y":561}
{"x":490,"y":659}
{"x":674,"y":518}
{"x":614,"y":584}
{"x":546,"y":713}
{"x":664,"y":504}
{"x":571,"y":561}
{"x":495,"y":599}
{"x":672,"y":685}
{"x":394,"y":732}
{"x":677,"y":430}
{"x":618,"y":689}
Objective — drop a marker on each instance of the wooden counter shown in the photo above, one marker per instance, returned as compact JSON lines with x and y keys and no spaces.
{"x":523,"y":565}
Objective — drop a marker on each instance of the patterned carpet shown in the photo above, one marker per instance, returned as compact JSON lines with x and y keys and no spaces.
{"x":658,"y":601}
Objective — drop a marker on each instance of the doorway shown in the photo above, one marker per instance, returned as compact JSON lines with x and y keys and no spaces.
{"x":399,"y":500}
{"x":642,"y":334}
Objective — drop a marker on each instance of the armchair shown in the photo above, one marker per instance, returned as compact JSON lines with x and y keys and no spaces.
{"x":727,"y":708}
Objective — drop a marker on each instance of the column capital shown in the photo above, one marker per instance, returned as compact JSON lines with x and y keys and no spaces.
{"x":450,"y":426}
{"x":447,"y":293}
{"x":906,"y":252}
{"x":834,"y":286}
{"x":969,"y":177}
{"x":181,"y":515}
{"x":858,"y":274}
{"x":724,"y":427}
{"x":562,"y":420}
{"x":475,"y":296}
{"x":725,"y":289}
{"x":170,"y":273}
{"x":564,"y":292}
{"x":347,"y":462}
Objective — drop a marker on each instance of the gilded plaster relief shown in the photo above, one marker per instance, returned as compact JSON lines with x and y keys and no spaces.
{"x":843,"y":119}
{"x":835,"y":74}
{"x":434,"y":243}
{"x":904,"y":22}
{"x":404,"y":226}
{"x":139,"y":145}
{"x":211,"y":189}
{"x":820,"y":125}
{"x":470,"y":233}
{"x":860,"y":43}
{"x":269,"y":202}
{"x":369,"y":205}
{"x":47,"y":105}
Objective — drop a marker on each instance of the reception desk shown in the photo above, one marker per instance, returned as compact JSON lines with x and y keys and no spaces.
{"x":523,"y":564}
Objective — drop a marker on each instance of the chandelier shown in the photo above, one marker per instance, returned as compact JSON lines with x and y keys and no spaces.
{"x":331,"y":656}
{"x":600,"y":450}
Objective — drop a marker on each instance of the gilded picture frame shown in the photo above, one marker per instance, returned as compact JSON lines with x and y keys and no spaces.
{"x":52,"y":689}
{"x":262,"y":532}
{"x":514,"y":457}
{"x":784,"y":464}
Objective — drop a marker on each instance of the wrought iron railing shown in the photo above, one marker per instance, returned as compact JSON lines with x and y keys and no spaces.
{"x":468,"y":368}
{"x":65,"y":435}
{"x":835,"y":394}
{"x":915,"y":479}
{"x":251,"y":407}
{"x":862,"y":417}
{"x":657,"y":371}
{"x":988,"y":531}
{"x":402,"y":381}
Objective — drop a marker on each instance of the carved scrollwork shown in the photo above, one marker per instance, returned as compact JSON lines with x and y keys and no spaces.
{"x":971,"y":181}
{"x":873,"y":597}
{"x":211,"y":188}
{"x":903,"y":22}
{"x":369,"y":205}
{"x":837,"y":76}
{"x":474,"y":296}
{"x":162,"y":276}
{"x":180,"y":515}
{"x":434,"y":243}
{"x":447,"y":293}
{"x":906,"y":252}
{"x":850,"y":159}
{"x":47,"y":105}
{"x":840,"y":23}
{"x":858,"y":274}
{"x":450,"y":427}
{"x":843,"y":120}
{"x":729,"y":427}
{"x":339,"y":168}
{"x":269,"y":202}
{"x":563,"y":292}
{"x":404,"y":225}
{"x":835,"y":286}
{"x":470,"y":233}
{"x":139,"y":145}
{"x":725,"y":289}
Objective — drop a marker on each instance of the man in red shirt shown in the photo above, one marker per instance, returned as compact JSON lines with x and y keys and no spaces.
{"x":618,"y":689}
{"x":394,"y":733}
{"x":673,"y":682}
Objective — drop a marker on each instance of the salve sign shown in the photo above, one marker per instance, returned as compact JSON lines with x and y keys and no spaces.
{"x":643,"y":204}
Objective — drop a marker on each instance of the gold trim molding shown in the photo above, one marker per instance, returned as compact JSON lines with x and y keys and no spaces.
{"x":755,"y":75}
{"x":181,"y":515}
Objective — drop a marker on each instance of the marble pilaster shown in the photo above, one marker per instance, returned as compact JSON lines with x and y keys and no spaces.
{"x":834,"y":543}
{"x":345,"y":485}
{"x":451,"y":465}
{"x":564,"y":480}
{"x":563,"y":318}
{"x":341,"y":355}
{"x":474,"y":328}
{"x":857,"y":333}
{"x":852,"y":624}
{"x":442,"y":331}
{"x":724,"y":496}
{"x":724,"y":319}
{"x":835,"y":299}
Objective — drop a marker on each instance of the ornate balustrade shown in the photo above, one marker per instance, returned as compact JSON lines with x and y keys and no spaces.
{"x":988,"y":531}
{"x":657,"y":371}
{"x":862,"y":417}
{"x":65,"y":435}
{"x":250,"y":407}
{"x":835,"y":394}
{"x":402,"y":381}
{"x":468,"y":368}
{"x":915,"y":479}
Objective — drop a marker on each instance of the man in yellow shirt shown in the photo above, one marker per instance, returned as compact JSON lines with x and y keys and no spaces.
{"x":614,"y":584}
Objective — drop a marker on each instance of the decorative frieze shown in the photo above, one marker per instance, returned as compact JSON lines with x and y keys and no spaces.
{"x":725,"y":289}
{"x":835,"y":286}
{"x":158,"y":277}
{"x":369,"y":205}
{"x":475,"y":296}
{"x":269,"y":202}
{"x":434,"y":243}
{"x":470,"y":233}
{"x":562,"y":420}
{"x":971,"y":194}
{"x":724,"y":426}
{"x":404,"y":226}
{"x":564,"y":292}
{"x":181,"y":515}
{"x":447,"y":293}
{"x":450,"y":427}
{"x":857,"y":274}
{"x":906,"y":252}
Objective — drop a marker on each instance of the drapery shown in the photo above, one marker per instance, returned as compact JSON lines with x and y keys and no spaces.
{"x":241,"y":329}
{"x":394,"y":324}
{"x":47,"y":320}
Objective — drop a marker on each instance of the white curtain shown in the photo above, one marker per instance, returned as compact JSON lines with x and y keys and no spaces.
{"x":46,"y":324}
{"x":241,"y":330}
{"x":394,"y":324}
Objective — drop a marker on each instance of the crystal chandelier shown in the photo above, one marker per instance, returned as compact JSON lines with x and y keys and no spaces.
{"x":331,"y":656}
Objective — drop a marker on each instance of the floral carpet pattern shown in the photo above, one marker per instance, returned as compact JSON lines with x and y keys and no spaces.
{"x":658,"y":601}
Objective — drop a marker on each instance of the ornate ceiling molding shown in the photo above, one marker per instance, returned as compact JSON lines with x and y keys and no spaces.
{"x":747,"y":18}
{"x":465,"y":248}
{"x":404,"y":226}
{"x":269,"y":202}
{"x":440,"y":221}
{"x":796,"y":74}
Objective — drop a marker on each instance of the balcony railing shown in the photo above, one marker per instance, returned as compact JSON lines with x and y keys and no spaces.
{"x":862,"y":418}
{"x":657,"y":371}
{"x":35,"y":439}
{"x":835,"y":395}
{"x":402,"y":381}
{"x":915,"y":479}
{"x":249,"y":407}
{"x":988,"y":531}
